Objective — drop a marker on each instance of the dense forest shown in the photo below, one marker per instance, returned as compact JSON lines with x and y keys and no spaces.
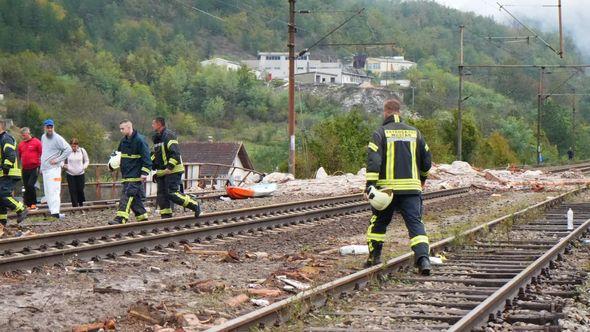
{"x":89,"y":64}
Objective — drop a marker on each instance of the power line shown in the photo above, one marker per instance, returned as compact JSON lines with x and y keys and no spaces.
{"x":331,"y":32}
{"x":526,"y":27}
{"x":200,"y":10}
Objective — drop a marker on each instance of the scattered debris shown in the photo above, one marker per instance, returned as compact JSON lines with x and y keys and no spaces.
{"x":155,"y":269}
{"x":297,"y":284}
{"x":152,"y":314}
{"x":354,"y":249}
{"x":92,"y":327}
{"x":265,"y":292}
{"x":237,"y":300}
{"x":88,"y":269}
{"x":257,"y":255}
{"x":229,"y":256}
{"x":207,"y":286}
{"x":106,"y":290}
{"x":260,"y":302}
{"x":289,"y":288}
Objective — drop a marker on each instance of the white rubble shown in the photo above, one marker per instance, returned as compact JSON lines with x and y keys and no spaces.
{"x":321,"y":173}
{"x":442,"y":176}
{"x":277,"y":177}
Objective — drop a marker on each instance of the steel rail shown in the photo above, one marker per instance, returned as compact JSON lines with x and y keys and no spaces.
{"x":96,"y":242}
{"x":100,"y":205}
{"x":281,"y":311}
{"x":479,"y":315}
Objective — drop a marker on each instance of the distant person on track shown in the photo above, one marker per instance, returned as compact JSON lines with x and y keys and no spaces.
{"x":75,"y":166}
{"x":29,"y":150}
{"x":11,"y":174}
{"x":168,"y":165}
{"x":397,"y":167}
{"x":55,"y":151}
{"x":135,"y":167}
{"x":570,"y":154}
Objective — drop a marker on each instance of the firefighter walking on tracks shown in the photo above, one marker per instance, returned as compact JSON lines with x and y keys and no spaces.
{"x":133,"y":156}
{"x":167,"y":162}
{"x":397,"y":167}
{"x":9,"y":176}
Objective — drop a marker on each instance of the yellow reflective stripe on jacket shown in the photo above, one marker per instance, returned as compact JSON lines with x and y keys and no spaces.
{"x":426,"y":147}
{"x":400,"y":184}
{"x":176,"y":169}
{"x":413,"y":150}
{"x":390,"y":161}
{"x":173,"y":161}
{"x":131,"y":180}
{"x":8,"y":145}
{"x":424,"y":174}
{"x":373,"y":147}
{"x":418,"y":239}
{"x":8,"y":162}
{"x":170,"y":142}
{"x":372,"y":176}
{"x":131,"y":156}
{"x":145,"y":169}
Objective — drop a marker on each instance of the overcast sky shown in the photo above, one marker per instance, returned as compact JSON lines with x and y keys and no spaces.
{"x":576,"y":15}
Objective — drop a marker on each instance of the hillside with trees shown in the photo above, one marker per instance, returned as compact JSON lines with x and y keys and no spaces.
{"x":89,"y":64}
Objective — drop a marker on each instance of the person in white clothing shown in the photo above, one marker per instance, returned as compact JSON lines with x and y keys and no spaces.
{"x":55,"y":151}
{"x":75,"y":167}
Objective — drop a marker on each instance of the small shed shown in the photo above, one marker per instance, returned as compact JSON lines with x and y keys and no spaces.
{"x":225,"y":153}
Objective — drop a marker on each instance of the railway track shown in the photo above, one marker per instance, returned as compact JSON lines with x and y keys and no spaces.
{"x":485,"y":272}
{"x":109,"y":241}
{"x":100,"y":205}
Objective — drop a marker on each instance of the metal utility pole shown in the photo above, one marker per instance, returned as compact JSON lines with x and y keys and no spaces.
{"x":460,"y":101}
{"x":539,"y":106}
{"x":291,"y":45}
{"x":560,"y":30}
{"x":573,"y":121}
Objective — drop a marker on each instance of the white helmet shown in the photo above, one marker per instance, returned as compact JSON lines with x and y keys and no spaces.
{"x":378,"y":199}
{"x":115,"y":161}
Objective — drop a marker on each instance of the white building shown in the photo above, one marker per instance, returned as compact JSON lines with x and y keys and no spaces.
{"x":392,"y":64}
{"x":275,"y":65}
{"x":228,"y":65}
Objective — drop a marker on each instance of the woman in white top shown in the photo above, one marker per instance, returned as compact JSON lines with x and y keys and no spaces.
{"x":75,"y":166}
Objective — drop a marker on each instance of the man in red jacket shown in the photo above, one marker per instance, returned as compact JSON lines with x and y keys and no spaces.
{"x":29,"y":151}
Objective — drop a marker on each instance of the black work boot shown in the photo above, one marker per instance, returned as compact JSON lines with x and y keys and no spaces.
{"x":118,"y":221}
{"x":196,"y":208}
{"x":374,"y":254}
{"x":424,"y":266}
{"x":22,"y":215}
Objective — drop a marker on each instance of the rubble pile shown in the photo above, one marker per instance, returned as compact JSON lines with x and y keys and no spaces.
{"x":442,"y":176}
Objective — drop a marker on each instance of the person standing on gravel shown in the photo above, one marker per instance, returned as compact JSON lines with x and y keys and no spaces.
{"x":29,"y":150}
{"x":10,"y":175}
{"x":75,"y":167}
{"x":398,"y":162}
{"x":135,"y":167}
{"x":55,"y":151}
{"x":169,"y":169}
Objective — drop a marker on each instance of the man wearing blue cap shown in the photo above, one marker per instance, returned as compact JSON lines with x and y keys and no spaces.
{"x":55,"y":151}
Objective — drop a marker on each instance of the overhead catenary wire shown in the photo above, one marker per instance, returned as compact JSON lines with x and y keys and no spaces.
{"x":331,"y":32}
{"x":199,"y":10}
{"x":527,"y":28}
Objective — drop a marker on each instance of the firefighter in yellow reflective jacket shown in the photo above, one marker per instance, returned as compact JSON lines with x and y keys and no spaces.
{"x":168,"y":165}
{"x":10,"y":175}
{"x":398,"y":163}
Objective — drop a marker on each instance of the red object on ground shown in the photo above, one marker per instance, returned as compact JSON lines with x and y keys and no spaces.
{"x":239,"y":192}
